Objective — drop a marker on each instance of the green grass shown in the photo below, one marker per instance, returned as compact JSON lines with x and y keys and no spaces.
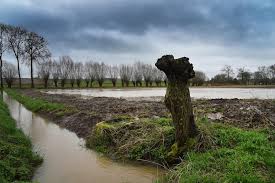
{"x":221,"y":153}
{"x":17,"y":161}
{"x":36,"y":104}
{"x":236,"y":155}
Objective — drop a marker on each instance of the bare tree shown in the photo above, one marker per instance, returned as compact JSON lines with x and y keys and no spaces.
{"x":272,"y":73}
{"x":113,"y":73}
{"x":86,"y":73}
{"x":125,"y":72}
{"x":147,"y":71}
{"x":228,"y":71}
{"x":261,"y":76}
{"x":199,"y":79}
{"x":9,"y":73}
{"x":44,"y":71}
{"x":3,"y":47}
{"x":65,"y":68}
{"x":78,"y":73}
{"x":243,"y":75}
{"x":72,"y":74}
{"x":35,"y":50}
{"x":55,"y":72}
{"x":158,"y":76}
{"x":137,"y":74}
{"x":16,"y":40}
{"x":219,"y":78}
{"x":91,"y":72}
{"x":100,"y":71}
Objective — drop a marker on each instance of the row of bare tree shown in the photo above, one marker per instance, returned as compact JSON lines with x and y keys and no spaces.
{"x":27,"y":47}
{"x":66,"y":70}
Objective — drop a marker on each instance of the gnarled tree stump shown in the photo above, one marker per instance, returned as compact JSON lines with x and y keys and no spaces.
{"x":177,"y":98}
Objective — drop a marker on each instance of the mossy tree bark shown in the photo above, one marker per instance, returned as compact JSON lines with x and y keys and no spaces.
{"x":177,"y":98}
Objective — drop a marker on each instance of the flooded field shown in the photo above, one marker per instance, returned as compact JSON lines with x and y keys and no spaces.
{"x":65,"y":157}
{"x":208,"y":93}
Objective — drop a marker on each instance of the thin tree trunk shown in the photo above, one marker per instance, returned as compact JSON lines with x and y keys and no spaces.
{"x":100,"y":83}
{"x":114,"y":83}
{"x":63,"y":83}
{"x":1,"y":71}
{"x":46,"y":83}
{"x":32,"y":85}
{"x":18,"y":70}
{"x":55,"y":83}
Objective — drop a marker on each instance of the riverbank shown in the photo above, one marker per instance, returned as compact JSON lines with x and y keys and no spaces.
{"x":141,"y":130}
{"x":17,"y":161}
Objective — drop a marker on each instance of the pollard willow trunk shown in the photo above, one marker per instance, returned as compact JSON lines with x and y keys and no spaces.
{"x":177,"y":98}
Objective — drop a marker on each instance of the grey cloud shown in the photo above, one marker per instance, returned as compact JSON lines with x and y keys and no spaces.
{"x":233,"y":22}
{"x":239,"y":27}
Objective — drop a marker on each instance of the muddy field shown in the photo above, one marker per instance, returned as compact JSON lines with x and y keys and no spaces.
{"x":242,"y":113}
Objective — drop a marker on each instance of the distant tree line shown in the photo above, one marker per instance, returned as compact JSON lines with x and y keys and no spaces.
{"x":264,"y":75}
{"x":28,"y":48}
{"x":65,"y":70}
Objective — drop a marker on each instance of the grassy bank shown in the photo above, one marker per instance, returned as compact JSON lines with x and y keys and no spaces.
{"x":39,"y":105}
{"x":17,"y":161}
{"x":221,"y":153}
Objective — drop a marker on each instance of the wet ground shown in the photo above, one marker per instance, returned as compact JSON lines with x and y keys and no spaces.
{"x":244,"y":113}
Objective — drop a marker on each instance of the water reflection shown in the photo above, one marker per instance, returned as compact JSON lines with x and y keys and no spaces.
{"x":66,"y":159}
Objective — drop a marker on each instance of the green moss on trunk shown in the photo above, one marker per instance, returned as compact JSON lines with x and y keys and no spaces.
{"x":178,"y":102}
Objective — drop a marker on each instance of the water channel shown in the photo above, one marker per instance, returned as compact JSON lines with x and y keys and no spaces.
{"x":66,"y":160}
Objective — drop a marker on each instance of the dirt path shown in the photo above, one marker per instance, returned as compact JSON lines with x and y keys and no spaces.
{"x":241,"y":113}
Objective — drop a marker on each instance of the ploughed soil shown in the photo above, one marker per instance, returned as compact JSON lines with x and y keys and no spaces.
{"x":245,"y":113}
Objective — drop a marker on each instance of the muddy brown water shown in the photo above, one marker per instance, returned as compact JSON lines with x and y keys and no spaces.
{"x":208,"y":93}
{"x":66,"y":160}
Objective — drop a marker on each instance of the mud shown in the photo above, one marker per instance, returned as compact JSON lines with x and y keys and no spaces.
{"x":244,"y":113}
{"x":92,"y":110}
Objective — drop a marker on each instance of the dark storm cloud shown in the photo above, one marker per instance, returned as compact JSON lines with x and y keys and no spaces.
{"x":230,"y":22}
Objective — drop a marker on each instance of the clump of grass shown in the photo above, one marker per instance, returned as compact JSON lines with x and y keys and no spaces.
{"x":142,"y":139}
{"x":17,"y":161}
{"x":36,"y":104}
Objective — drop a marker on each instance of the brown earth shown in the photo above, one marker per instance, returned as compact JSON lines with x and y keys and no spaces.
{"x":252,"y":113}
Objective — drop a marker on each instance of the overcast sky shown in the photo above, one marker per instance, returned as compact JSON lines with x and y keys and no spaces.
{"x":211,"y":33}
